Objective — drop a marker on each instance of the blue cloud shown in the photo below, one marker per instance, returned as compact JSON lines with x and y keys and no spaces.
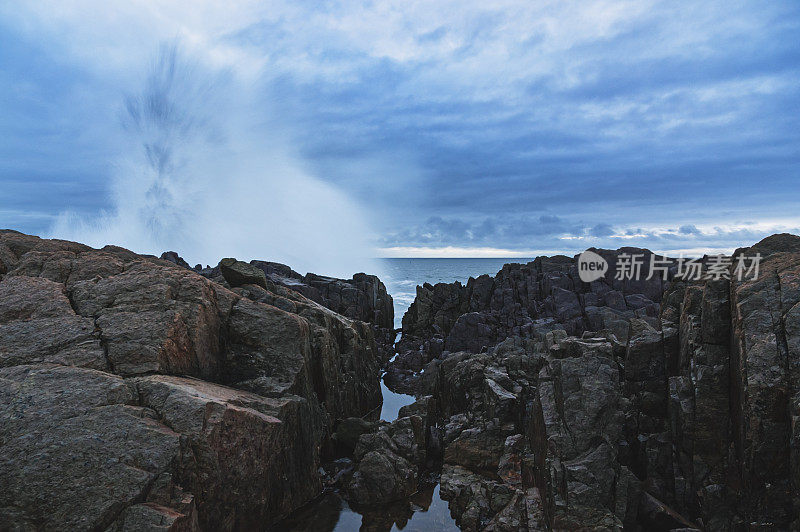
{"x":677,"y":117}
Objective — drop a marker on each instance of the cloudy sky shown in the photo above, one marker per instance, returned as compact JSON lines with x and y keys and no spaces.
{"x":464,"y":128}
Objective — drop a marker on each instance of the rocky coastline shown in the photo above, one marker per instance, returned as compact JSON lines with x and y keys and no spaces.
{"x":139,"y":393}
{"x":616,"y":404}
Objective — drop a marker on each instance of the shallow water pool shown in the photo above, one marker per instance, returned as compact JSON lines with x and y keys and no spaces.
{"x":424,"y":511}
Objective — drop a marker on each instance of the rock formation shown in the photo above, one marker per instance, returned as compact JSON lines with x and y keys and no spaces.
{"x":363,"y":298}
{"x":643,"y":405}
{"x":137,"y":394}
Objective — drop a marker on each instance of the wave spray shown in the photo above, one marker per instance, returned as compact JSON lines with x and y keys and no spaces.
{"x":205,"y":176}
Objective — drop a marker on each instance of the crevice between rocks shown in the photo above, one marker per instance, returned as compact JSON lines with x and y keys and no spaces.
{"x":103,"y":344}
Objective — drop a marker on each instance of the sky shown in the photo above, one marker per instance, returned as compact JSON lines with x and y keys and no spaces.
{"x":408,"y":128}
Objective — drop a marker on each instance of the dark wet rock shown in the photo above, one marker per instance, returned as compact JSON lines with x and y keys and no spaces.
{"x":765,"y":351}
{"x":363,"y":297}
{"x":474,"y":499}
{"x":655,"y":515}
{"x":347,"y":433}
{"x":403,"y":381}
{"x":409,"y":372}
{"x":381,"y":477}
{"x":391,"y":459}
{"x":424,"y":407}
{"x":476,"y":448}
{"x":389,"y":462}
{"x":530,"y":440}
{"x":337,"y":473}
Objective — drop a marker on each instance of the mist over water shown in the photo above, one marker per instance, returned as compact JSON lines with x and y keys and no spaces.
{"x":206,"y":174}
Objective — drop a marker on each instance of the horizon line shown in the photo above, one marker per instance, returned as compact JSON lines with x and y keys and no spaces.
{"x":451,"y":252}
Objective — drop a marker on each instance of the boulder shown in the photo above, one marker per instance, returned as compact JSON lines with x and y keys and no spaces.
{"x":247,"y":459}
{"x":347,"y":433}
{"x":176,"y":259}
{"x":238,"y":273}
{"x":475,"y":500}
{"x":382,"y":477}
{"x":388,"y":462}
